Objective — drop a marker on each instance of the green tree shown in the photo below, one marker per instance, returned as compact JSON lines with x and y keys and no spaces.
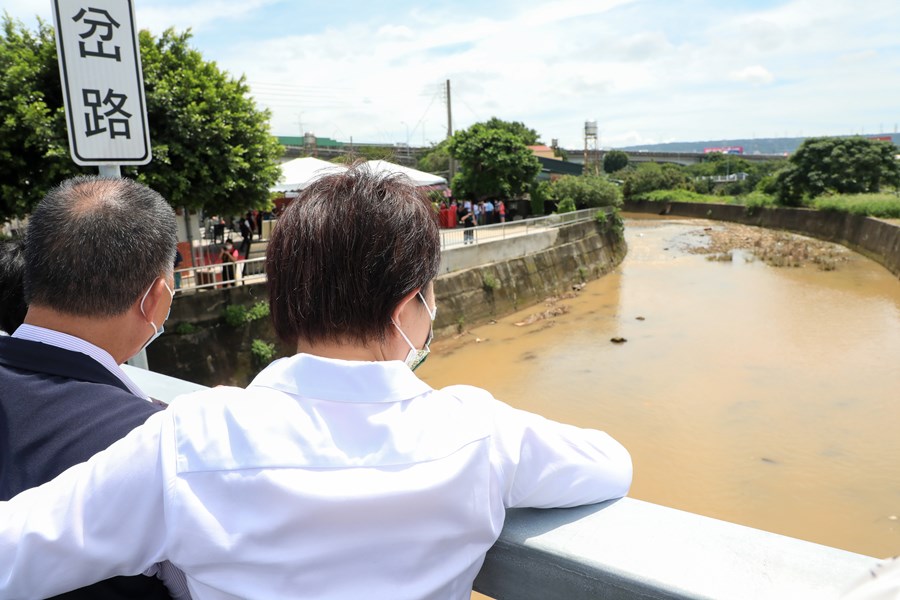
{"x":492,"y":163}
{"x":586,"y":191}
{"x":648,"y":177}
{"x":211,"y":145}
{"x":436,"y":160}
{"x":851,"y":165}
{"x":540,"y":193}
{"x":614,"y":160}
{"x":33,"y":144}
{"x":529,"y":136}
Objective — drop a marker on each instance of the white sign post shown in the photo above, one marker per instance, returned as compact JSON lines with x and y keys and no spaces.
{"x":103,"y":87}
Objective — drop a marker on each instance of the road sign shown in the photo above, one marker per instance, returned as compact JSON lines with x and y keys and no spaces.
{"x":103,"y":87}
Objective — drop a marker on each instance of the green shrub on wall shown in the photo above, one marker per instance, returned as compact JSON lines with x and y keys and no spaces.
{"x":262,"y":352}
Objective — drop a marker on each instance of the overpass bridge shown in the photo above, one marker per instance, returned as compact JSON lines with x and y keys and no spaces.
{"x":678,"y":158}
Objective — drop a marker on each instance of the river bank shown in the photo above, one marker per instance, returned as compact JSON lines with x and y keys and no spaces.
{"x":753,"y":394}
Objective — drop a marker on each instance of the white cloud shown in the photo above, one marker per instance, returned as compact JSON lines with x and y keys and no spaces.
{"x":647,"y":70}
{"x":756,"y":74}
{"x":194,"y":14}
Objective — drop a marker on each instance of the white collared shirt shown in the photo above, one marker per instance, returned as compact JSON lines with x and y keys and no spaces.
{"x":65,"y":341}
{"x":172,"y":578}
{"x":323,"y":479}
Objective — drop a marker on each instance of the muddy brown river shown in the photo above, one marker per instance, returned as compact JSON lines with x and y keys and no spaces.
{"x":767,"y":396}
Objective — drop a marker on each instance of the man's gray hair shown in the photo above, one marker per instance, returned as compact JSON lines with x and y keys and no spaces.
{"x":95,"y":244}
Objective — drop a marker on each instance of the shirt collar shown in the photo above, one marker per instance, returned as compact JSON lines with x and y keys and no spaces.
{"x":342,"y":380}
{"x":65,"y":341}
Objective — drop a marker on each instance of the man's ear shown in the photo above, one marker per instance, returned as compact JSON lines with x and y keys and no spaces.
{"x":403,"y":306}
{"x":156,"y":294}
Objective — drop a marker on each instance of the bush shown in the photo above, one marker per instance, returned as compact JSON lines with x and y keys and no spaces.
{"x":260,"y":310}
{"x":758,"y":199}
{"x":886,"y":206}
{"x":489,"y":282}
{"x":685,"y":196}
{"x":652,"y":176}
{"x":540,"y":193}
{"x":262,"y":352}
{"x":565,"y":205}
{"x":184,"y":328}
{"x":611,"y":222}
{"x":587,"y":191}
{"x":237,"y":315}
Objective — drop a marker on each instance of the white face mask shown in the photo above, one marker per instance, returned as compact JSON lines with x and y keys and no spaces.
{"x":416,"y":357}
{"x":156,"y":331}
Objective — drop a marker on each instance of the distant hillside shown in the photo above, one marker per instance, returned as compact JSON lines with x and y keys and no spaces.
{"x":754,"y":146}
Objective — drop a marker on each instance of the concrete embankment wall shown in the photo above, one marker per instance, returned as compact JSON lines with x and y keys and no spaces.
{"x":475,"y":295}
{"x":513,"y":274}
{"x":874,"y":238}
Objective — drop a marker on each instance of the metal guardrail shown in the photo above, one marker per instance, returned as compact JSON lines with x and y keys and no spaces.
{"x":463,"y":236}
{"x":633,"y":550}
{"x":214,"y":275}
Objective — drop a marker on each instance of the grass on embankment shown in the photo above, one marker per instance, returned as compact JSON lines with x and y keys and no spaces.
{"x":883,"y":205}
{"x":886,"y":206}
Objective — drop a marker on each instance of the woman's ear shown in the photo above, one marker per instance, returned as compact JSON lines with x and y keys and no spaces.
{"x":404,"y":306}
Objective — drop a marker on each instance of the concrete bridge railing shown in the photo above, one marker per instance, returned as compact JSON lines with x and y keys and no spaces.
{"x":629,"y":550}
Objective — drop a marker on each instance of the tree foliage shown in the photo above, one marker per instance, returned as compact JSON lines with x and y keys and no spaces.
{"x":211,"y":145}
{"x":586,"y":191}
{"x":614,"y":160}
{"x":492,"y":163}
{"x":529,"y":136}
{"x":436,"y":160}
{"x":33,"y":144}
{"x":850,"y":165}
{"x":653,"y":176}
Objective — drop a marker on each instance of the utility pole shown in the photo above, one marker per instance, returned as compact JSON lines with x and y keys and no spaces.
{"x":451,"y":168}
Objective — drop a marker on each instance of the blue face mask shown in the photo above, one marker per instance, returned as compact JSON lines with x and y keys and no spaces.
{"x":156,"y":331}
{"x":415,"y":357}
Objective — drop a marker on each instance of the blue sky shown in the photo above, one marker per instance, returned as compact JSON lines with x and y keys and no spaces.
{"x":646,"y":70}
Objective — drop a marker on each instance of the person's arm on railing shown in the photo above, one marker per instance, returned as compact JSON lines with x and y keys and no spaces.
{"x":96,"y":520}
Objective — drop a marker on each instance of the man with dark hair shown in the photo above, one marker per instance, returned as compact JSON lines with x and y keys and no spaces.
{"x":98,"y":282}
{"x":12,"y":294}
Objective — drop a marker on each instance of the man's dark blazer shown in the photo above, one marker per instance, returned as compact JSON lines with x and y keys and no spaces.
{"x":57,"y":409}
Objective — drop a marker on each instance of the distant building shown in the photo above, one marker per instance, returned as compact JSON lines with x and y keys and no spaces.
{"x":542,"y":151}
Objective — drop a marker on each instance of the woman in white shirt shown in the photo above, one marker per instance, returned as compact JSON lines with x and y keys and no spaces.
{"x":337,"y":473}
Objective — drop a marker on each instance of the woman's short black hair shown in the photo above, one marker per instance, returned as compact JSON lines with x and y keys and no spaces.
{"x":345,"y":253}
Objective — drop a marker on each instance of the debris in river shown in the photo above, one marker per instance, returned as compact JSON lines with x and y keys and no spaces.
{"x":553,"y":311}
{"x":775,"y":248}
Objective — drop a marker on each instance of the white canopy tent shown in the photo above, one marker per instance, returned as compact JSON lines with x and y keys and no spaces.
{"x":419,"y":178}
{"x":299,"y":173}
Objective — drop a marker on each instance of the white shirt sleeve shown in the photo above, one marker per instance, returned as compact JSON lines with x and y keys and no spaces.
{"x":881,"y":582}
{"x":546,"y":464}
{"x":96,"y":520}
